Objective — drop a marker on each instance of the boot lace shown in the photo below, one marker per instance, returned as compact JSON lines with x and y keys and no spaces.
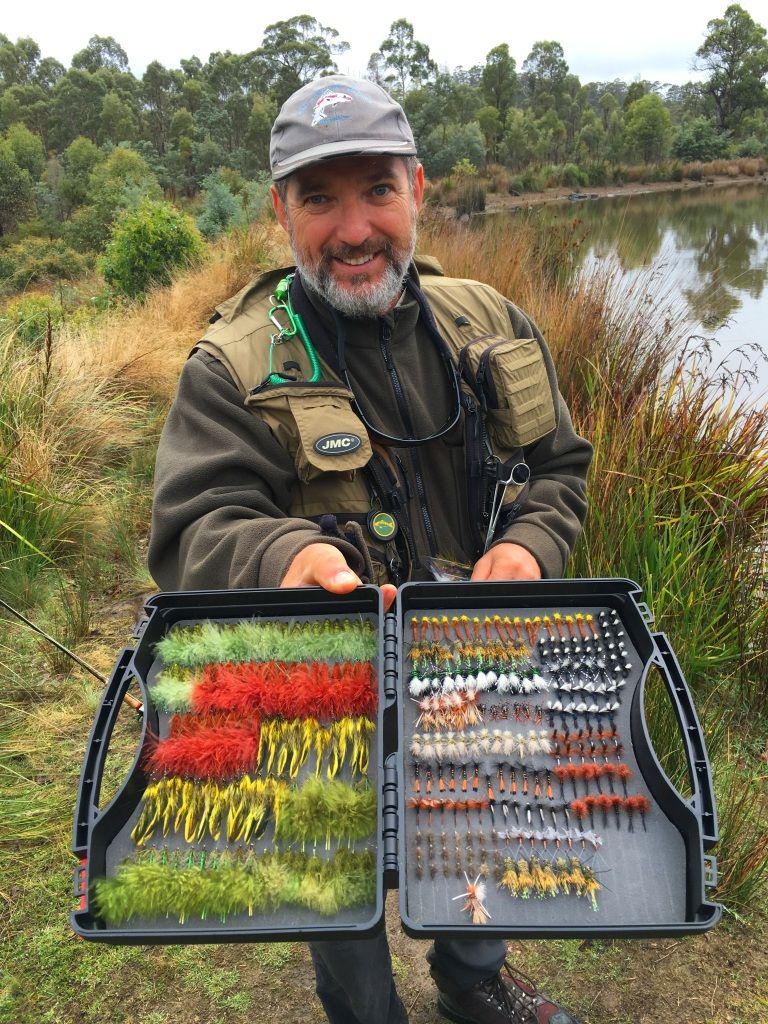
{"x":520,"y":1006}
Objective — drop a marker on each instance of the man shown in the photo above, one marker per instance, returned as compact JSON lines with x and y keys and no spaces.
{"x":339,"y":445}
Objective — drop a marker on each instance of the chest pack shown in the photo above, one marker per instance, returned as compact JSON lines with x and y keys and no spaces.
{"x":505,"y":395}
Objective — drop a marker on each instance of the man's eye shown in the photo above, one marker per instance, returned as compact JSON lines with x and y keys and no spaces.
{"x":315,"y":200}
{"x":381,"y":190}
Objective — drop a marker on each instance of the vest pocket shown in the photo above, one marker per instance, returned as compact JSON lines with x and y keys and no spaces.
{"x":318,"y":426}
{"x":509,"y":378}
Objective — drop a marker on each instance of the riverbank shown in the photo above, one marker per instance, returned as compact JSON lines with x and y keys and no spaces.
{"x":500,"y":202}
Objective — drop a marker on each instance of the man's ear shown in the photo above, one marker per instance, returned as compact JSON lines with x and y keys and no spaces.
{"x":418,"y":187}
{"x":280,"y":211}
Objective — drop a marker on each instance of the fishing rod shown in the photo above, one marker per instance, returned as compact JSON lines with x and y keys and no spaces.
{"x":128,"y":699}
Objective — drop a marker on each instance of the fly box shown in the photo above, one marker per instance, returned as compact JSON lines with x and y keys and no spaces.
{"x":483,"y":747}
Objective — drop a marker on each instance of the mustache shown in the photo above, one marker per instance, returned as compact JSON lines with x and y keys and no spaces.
{"x":355,"y":252}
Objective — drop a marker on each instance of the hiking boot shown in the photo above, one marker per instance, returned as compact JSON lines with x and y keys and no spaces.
{"x":502,"y":999}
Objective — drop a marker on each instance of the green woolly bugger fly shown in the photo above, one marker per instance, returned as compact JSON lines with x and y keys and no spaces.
{"x":217,"y":885}
{"x":208,"y":643}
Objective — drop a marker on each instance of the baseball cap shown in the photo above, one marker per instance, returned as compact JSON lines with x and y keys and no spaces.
{"x":337,"y":116}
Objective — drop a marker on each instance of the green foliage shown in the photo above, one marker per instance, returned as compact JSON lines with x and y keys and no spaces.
{"x":27,"y":149}
{"x":751,"y":147}
{"x":532,"y":181}
{"x":221,"y":209}
{"x":295,"y":51}
{"x":115,"y":184}
{"x":146,"y":245}
{"x":443,"y":149}
{"x":573,"y":176}
{"x":405,"y":58}
{"x":699,"y":140}
{"x":647,"y":128}
{"x":39,"y":260}
{"x":15,"y":189}
{"x":464,"y":169}
{"x":29,"y":317}
{"x":79,"y":160}
{"x":597,"y":174}
{"x":499,"y":79}
{"x":735,"y":53}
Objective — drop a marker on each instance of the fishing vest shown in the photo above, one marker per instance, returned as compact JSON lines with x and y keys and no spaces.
{"x":316,"y":423}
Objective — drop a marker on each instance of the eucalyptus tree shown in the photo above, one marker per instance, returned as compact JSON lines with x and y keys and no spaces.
{"x":101,"y":52}
{"x":499,"y":78}
{"x":294,"y":52}
{"x":735,"y":54}
{"x":406,"y":61}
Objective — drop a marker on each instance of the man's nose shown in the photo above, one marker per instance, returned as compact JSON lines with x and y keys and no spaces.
{"x":354,"y":225}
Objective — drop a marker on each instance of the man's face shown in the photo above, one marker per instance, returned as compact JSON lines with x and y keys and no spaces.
{"x":352,"y":226}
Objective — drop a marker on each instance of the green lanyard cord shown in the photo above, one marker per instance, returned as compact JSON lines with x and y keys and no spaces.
{"x":282,"y":303}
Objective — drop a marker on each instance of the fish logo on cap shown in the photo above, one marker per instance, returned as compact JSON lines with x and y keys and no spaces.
{"x":326,"y":102}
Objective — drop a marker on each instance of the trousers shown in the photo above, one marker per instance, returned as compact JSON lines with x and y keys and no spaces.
{"x":354,"y":980}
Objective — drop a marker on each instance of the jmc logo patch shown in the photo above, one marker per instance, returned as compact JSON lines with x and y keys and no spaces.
{"x":337,"y":444}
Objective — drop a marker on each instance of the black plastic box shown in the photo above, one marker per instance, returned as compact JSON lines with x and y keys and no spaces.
{"x":654,"y":874}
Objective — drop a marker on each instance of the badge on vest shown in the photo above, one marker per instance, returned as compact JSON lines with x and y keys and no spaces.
{"x":337,"y":444}
{"x":382,"y":525}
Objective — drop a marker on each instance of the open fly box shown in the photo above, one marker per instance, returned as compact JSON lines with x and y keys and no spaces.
{"x":482,"y":746}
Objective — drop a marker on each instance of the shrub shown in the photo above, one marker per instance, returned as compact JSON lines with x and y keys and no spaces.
{"x":40,"y":260}
{"x":573,"y":176}
{"x":532,"y":181}
{"x":471,"y":198}
{"x":676,"y":171}
{"x":28,"y":317}
{"x":221,"y":209}
{"x":147,"y":243}
{"x":596,"y":174}
{"x":464,"y":169}
{"x":699,"y":140}
{"x":751,"y":147}
{"x":550,"y":176}
{"x":693,"y":171}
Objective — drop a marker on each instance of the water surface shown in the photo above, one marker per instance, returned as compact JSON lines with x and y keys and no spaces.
{"x":710,"y":245}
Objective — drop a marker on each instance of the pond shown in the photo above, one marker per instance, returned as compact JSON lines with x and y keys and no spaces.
{"x":707,"y":245}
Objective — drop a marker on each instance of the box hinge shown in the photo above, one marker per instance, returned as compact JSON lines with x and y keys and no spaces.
{"x":390,"y":656}
{"x":390,"y":822}
{"x":710,"y":870}
{"x":138,"y":629}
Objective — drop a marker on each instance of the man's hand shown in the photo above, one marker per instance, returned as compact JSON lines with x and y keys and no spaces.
{"x":506,"y":562}
{"x":323,"y":565}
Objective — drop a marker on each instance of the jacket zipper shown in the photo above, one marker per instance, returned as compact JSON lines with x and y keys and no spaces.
{"x":385,"y":335}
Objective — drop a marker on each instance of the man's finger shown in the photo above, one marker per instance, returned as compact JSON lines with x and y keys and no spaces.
{"x":321,"y":565}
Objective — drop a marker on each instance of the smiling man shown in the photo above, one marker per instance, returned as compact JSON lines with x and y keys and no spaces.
{"x":333,"y":427}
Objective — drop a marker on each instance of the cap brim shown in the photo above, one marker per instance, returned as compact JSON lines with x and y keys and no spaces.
{"x":345,"y":147}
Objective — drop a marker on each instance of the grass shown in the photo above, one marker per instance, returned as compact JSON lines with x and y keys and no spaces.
{"x":680,"y":470}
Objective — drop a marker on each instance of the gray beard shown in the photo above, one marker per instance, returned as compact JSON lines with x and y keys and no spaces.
{"x":373,"y":300}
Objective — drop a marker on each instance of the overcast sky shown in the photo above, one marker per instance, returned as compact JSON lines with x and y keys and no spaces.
{"x":655,"y":39}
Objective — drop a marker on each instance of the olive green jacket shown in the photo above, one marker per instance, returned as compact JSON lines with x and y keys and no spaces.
{"x":235,"y":494}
